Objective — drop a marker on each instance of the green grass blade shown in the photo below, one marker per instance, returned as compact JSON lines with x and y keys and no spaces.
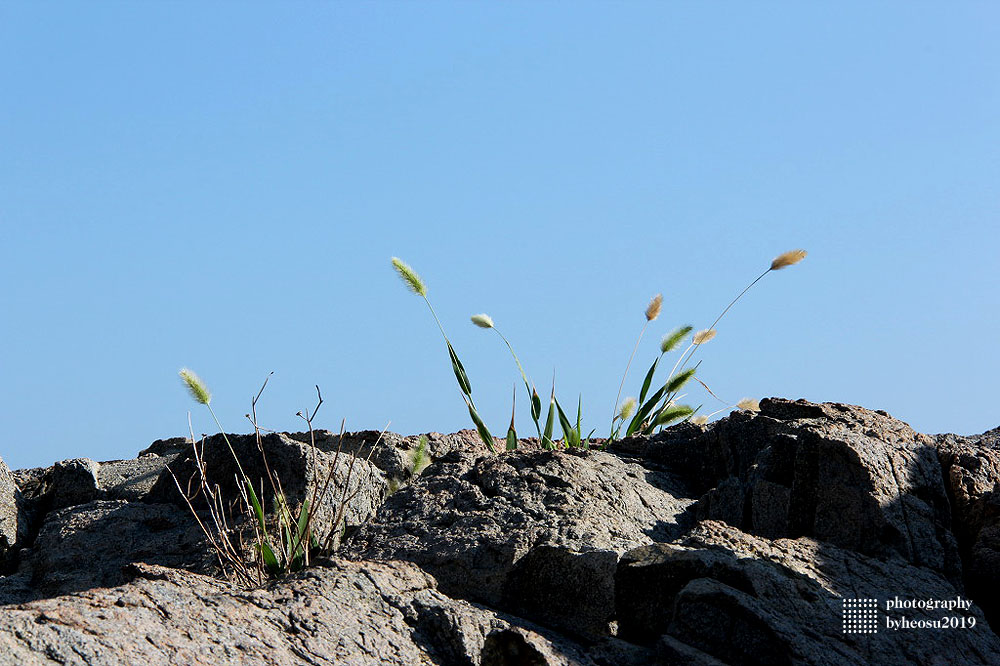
{"x":648,"y":380}
{"x":257,"y":508}
{"x":459,"y":369}
{"x":484,"y":432}
{"x":571,"y":436}
{"x":549,"y":423}
{"x":511,"y":439}
{"x":270,"y":561}
{"x":536,"y":405}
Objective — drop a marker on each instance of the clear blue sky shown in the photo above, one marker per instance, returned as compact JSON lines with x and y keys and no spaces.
{"x":221,"y":186}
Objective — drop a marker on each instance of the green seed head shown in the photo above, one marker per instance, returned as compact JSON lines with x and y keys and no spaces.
{"x":195,"y":386}
{"x":409,"y":276}
{"x":482,"y":320}
{"x":627,"y":409}
{"x":674,"y":338}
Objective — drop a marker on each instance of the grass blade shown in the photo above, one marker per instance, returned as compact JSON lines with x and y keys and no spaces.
{"x":484,"y":432}
{"x":459,"y":369}
{"x":648,"y":380}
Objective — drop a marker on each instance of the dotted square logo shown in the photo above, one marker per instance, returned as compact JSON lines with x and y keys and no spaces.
{"x":860,"y":616}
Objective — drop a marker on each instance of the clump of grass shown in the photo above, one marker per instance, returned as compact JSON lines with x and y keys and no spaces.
{"x":415,"y":284}
{"x":653,"y":409}
{"x":283,"y":542}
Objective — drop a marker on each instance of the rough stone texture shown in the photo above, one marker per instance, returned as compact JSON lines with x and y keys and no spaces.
{"x":741,"y":599}
{"x":300,"y":468}
{"x":537,"y":534}
{"x":972,"y":471}
{"x":107,"y":536}
{"x":601,"y":550}
{"x":391,"y":452}
{"x":11,"y":529}
{"x":345,"y":613}
{"x":843,"y":474}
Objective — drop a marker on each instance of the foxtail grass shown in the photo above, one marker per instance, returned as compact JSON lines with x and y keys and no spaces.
{"x":415,"y":284}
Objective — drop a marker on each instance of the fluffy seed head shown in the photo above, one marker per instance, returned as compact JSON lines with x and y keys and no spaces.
{"x":409,"y":276}
{"x":482,"y":320}
{"x":701,"y":419}
{"x":703,"y":336}
{"x":195,"y":386}
{"x":672,"y":339}
{"x":627,"y":408}
{"x":788,"y":259}
{"x":749,"y":404}
{"x":653,"y":309}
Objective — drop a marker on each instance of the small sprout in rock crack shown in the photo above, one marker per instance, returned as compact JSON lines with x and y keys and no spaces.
{"x":419,"y":459}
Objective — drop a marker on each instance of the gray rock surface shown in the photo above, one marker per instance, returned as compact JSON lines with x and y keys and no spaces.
{"x":728,"y":544}
{"x":536,"y":533}
{"x":343,"y":613}
{"x":843,"y":474}
{"x":11,"y":531}
{"x":724,"y":595}
{"x":971,"y":468}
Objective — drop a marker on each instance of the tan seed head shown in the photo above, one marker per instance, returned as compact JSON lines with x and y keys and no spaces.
{"x":788,"y":259}
{"x":700,"y":419}
{"x":749,"y":405}
{"x":653,"y":309}
{"x":703,"y":336}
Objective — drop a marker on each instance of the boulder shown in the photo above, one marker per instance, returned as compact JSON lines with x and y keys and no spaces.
{"x":843,"y":474}
{"x":533,"y":533}
{"x":719,"y":595}
{"x":87,"y":546}
{"x":304,"y":473}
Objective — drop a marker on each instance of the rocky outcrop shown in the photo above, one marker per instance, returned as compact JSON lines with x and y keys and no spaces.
{"x":741,"y":599}
{"x":741,"y":542}
{"x":971,"y":468}
{"x":536,"y":533}
{"x":343,"y":612}
{"x":842,"y":474}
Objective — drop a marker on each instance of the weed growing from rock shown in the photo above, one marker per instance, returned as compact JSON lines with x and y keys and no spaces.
{"x":285,"y":541}
{"x":635,"y":416}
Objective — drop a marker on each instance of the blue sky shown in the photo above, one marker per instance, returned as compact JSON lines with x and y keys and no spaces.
{"x":221,"y":187}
